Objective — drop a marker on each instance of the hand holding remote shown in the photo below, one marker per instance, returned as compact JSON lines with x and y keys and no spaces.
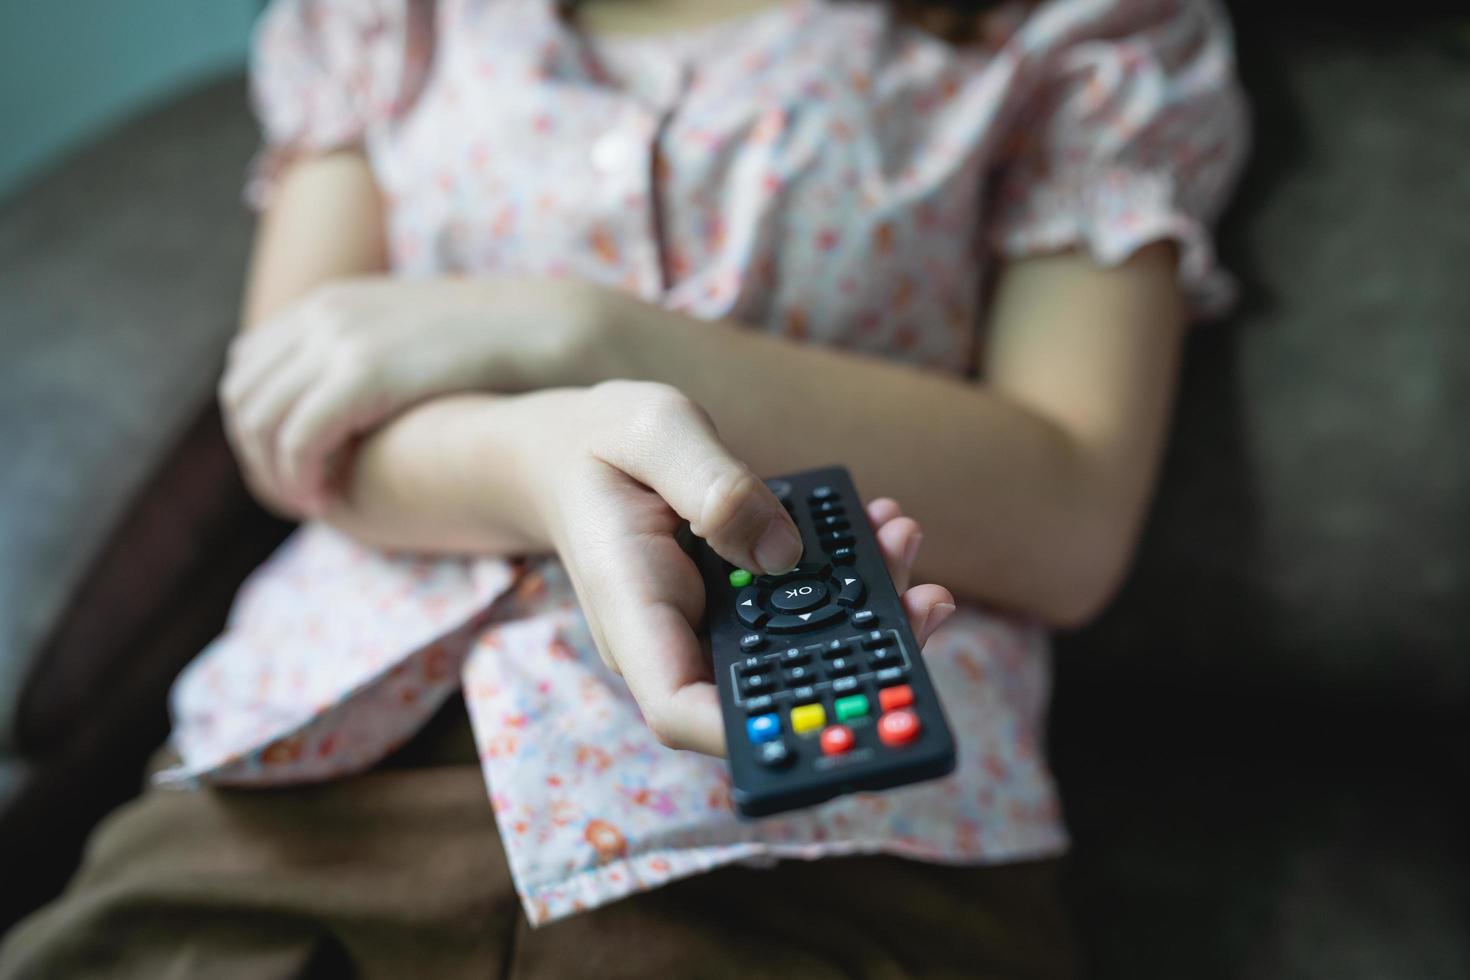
{"x":615,"y":470}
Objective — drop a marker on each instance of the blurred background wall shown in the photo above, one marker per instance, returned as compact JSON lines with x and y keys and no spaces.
{"x":71,"y":69}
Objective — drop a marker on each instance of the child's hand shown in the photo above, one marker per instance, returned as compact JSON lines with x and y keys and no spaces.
{"x":615,"y":468}
{"x":355,"y":353}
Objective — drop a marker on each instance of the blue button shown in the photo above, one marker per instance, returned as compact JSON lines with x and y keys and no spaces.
{"x":763,"y":728}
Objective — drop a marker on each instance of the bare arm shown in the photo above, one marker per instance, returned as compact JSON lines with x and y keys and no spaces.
{"x":422,"y":482}
{"x":1032,"y":483}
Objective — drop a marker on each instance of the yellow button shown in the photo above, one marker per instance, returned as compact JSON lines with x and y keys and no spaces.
{"x":807,"y":718}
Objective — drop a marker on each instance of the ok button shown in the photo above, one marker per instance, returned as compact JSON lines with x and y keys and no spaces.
{"x":804,"y":593}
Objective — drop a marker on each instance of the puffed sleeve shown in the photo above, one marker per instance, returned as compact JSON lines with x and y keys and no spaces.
{"x":1133,"y":130}
{"x":325,"y":73}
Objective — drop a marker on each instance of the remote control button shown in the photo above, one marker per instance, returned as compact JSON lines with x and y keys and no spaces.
{"x":806,"y":573}
{"x":751,"y":665}
{"x":898,"y":727}
{"x":853,"y":706}
{"x":836,"y":740}
{"x":863,"y":617}
{"x":835,"y":539}
{"x":757,"y":684}
{"x":748,"y":606}
{"x":794,"y":655}
{"x":877,"y":638}
{"x":804,"y":621}
{"x":807,"y":693}
{"x":888,"y":675}
{"x":763,"y":728}
{"x":800,"y":675}
{"x":822,"y":493}
{"x":835,"y":648}
{"x":773,"y":755}
{"x":885,"y":657}
{"x":893,"y":698}
{"x":740,"y":578}
{"x":780,"y":489}
{"x":759,"y":704}
{"x":799,"y":595}
{"x":832,"y":522}
{"x":841,"y":665}
{"x":752,"y":641}
{"x":829,"y":507}
{"x":807,"y":718}
{"x":842,"y":684}
{"x":844,"y":556}
{"x":851,"y":591}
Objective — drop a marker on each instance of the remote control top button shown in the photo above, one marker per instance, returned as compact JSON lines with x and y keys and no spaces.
{"x":844,"y":555}
{"x":828,"y":507}
{"x":804,"y":621}
{"x":773,"y":755}
{"x":851,"y":591}
{"x":844,"y":684}
{"x":893,"y":698}
{"x":832,"y":522}
{"x":898,"y":727}
{"x":888,"y":675}
{"x":763,"y":728}
{"x":748,"y":606}
{"x":863,"y":617}
{"x":740,"y":578}
{"x":823,"y":493}
{"x":852,"y":706}
{"x":752,"y":641}
{"x":798,"y":595}
{"x":835,"y":539}
{"x":836,"y":740}
{"x":818,"y":570}
{"x":807,"y":718}
{"x":759,"y":704}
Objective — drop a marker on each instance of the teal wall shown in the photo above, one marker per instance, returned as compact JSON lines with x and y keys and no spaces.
{"x":70,"y":69}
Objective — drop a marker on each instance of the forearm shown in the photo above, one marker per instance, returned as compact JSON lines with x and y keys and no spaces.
{"x":1000,"y":490}
{"x":445,"y":477}
{"x":1032,"y":486}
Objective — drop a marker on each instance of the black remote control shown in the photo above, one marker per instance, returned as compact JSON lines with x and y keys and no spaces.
{"x":821,"y":681}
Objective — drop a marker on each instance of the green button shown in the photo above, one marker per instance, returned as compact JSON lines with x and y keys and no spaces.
{"x":740,"y":578}
{"x":852,"y":706}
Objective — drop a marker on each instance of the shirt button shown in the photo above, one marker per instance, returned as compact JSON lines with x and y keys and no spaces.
{"x":612,"y":152}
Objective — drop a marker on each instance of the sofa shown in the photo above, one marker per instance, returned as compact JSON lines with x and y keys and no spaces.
{"x":1261,"y":744}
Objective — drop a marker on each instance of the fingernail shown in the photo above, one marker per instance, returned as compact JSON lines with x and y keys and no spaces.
{"x":911,"y":551}
{"x":779,"y":548}
{"x":940,"y":612}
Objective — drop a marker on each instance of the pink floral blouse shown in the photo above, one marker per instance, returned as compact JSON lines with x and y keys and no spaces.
{"x":814,"y":170}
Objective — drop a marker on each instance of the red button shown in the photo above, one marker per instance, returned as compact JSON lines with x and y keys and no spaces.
{"x":836,"y":739}
{"x":898,"y":727}
{"x":895,"y":697}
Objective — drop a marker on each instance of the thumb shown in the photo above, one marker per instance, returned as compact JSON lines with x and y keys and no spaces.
{"x":671,"y":447}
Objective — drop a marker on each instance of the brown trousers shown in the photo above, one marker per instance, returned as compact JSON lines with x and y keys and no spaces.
{"x":399,"y":873}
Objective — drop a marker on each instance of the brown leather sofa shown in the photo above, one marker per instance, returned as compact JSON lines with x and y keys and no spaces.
{"x":1262,"y":744}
